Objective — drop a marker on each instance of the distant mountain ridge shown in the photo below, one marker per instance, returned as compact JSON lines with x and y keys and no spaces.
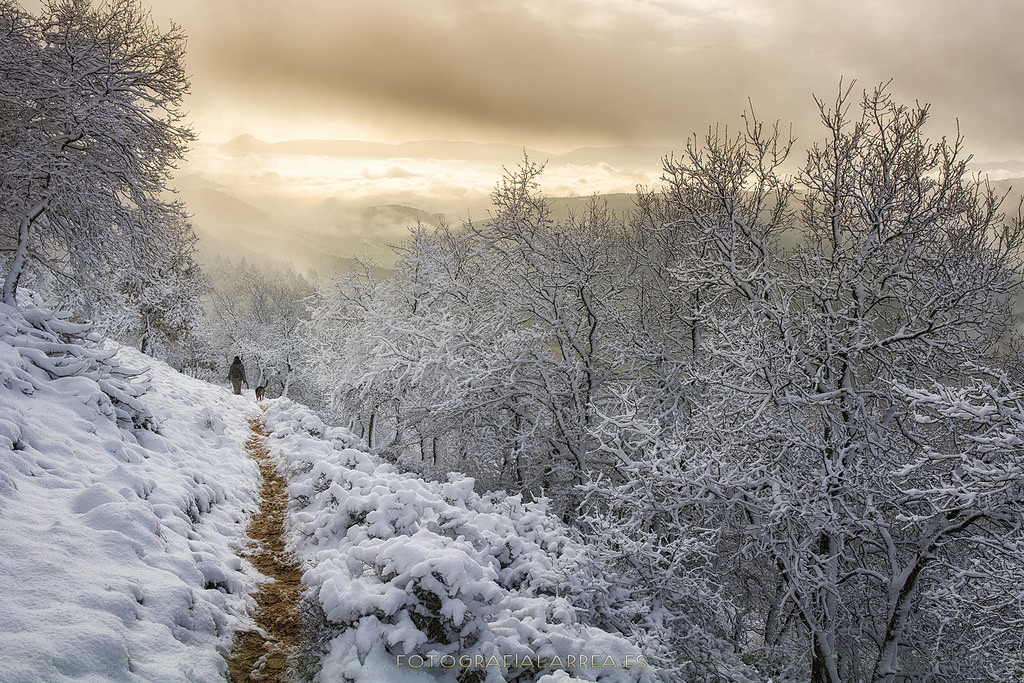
{"x":444,"y":150}
{"x":324,"y":236}
{"x":619,"y":156}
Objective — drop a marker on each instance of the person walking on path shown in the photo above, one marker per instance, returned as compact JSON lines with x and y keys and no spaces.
{"x":237,"y":375}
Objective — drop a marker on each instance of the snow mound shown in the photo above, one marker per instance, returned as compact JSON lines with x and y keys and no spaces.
{"x":430,"y":581}
{"x":43,"y":347}
{"x":124,"y":495}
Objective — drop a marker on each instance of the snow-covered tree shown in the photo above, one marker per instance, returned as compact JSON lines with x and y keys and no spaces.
{"x":489,"y":347}
{"x":91,"y":129}
{"x":395,"y":353}
{"x":151,"y":298}
{"x":844,"y":525}
{"x":255,"y":312}
{"x":566,"y":285}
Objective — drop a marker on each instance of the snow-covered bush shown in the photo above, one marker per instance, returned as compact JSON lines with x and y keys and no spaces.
{"x":41,"y":346}
{"x":416,"y":576}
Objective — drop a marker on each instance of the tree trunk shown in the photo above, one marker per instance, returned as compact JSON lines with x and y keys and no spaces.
{"x":10,"y":291}
{"x":887,"y":664}
{"x":287,"y":379}
{"x":696,"y":333}
{"x":824,"y":667}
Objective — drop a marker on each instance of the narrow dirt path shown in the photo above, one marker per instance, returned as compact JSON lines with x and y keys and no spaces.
{"x":264,"y":655}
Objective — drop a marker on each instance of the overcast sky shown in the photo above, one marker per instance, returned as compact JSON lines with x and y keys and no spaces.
{"x":559,"y":74}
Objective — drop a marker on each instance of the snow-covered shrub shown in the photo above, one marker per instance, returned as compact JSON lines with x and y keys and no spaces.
{"x":410,"y":573}
{"x":49,"y":347}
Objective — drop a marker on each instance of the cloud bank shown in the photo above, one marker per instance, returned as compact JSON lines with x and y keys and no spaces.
{"x":589,"y":72}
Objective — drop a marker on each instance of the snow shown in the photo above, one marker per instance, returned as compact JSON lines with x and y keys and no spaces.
{"x":420,"y":580}
{"x":125,"y":492}
{"x":120,"y":543}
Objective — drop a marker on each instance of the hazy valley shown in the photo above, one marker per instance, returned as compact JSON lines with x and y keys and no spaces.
{"x":318,"y":204}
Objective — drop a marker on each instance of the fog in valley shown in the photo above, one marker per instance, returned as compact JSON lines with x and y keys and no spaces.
{"x":319,"y":204}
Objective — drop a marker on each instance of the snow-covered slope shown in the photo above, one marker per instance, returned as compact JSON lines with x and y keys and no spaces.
{"x":117,"y":542}
{"x":427,"y":581}
{"x":124,"y":498}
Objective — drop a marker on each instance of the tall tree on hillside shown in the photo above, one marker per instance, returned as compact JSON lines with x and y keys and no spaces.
{"x":91,"y":128}
{"x":152,"y":298}
{"x":565,"y":286}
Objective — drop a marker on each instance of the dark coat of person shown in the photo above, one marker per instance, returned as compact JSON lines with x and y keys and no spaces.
{"x":236,"y":373}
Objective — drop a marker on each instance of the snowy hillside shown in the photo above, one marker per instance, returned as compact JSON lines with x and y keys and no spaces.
{"x":125,"y":492}
{"x":422,"y":581}
{"x":119,"y":543}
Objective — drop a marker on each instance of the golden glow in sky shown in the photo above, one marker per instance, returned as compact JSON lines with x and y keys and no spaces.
{"x":560,"y":74}
{"x":554,"y":76}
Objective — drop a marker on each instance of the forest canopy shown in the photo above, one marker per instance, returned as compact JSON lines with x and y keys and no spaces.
{"x":785,"y":408}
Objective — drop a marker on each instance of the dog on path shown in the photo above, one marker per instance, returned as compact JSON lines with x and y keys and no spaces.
{"x":262,"y":389}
